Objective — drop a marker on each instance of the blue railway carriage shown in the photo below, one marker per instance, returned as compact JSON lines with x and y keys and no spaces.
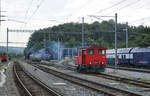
{"x":129,"y":56}
{"x":124,"y":56}
{"x":141,"y":56}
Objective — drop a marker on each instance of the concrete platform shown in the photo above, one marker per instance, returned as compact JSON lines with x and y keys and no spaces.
{"x":7,"y":86}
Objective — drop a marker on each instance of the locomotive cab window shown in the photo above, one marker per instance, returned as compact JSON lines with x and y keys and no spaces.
{"x":90,"y":51}
{"x":101,"y":52}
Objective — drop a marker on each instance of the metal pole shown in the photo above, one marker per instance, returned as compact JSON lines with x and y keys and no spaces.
{"x":60,"y":53}
{"x":72,"y":52}
{"x":115,"y":42}
{"x":0,"y":21}
{"x":49,"y":37}
{"x":44,"y":39}
{"x":126,"y":34}
{"x":68,"y":52}
{"x":82,"y":32}
{"x":58,"y":49}
{"x":7,"y":44}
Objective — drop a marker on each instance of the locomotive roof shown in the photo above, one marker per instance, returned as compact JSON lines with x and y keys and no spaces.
{"x":96,"y":47}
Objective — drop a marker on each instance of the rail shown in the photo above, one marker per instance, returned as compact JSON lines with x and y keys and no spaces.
{"x":108,"y":90}
{"x":27,"y":90}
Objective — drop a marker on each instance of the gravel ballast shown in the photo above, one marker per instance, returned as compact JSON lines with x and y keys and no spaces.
{"x":59,"y":84}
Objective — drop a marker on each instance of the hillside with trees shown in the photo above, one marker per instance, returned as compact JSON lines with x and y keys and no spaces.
{"x":69,"y":34}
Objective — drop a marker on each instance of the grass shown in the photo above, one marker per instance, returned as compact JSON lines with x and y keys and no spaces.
{"x":60,"y":69}
{"x":1,"y":67}
{"x":129,"y":84}
{"x":145,"y":79}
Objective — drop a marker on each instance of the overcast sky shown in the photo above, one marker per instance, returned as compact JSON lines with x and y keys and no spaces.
{"x":44,"y":13}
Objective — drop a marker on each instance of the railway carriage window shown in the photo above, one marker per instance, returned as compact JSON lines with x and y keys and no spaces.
{"x":101,"y":52}
{"x":90,"y":51}
{"x":124,"y":56}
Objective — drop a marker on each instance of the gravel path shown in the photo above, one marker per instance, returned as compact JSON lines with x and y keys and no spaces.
{"x":7,"y":87}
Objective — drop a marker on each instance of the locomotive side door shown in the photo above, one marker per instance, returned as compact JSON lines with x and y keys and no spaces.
{"x":83,"y":57}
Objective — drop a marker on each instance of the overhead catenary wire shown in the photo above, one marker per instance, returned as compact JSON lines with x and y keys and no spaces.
{"x":128,"y":5}
{"x":38,"y":6}
{"x":81,"y":8}
{"x":114,"y":5}
{"x":141,"y":19}
{"x":141,"y":22}
{"x":26,"y":13}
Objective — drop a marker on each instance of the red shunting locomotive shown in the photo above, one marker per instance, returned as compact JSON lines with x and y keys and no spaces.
{"x":92,"y":59}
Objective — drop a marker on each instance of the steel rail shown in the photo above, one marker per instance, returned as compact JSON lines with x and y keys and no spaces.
{"x":20,"y":82}
{"x":49,"y":89}
{"x":130,"y":69}
{"x":112,"y":77}
{"x":124,"y":80}
{"x":111,"y":91}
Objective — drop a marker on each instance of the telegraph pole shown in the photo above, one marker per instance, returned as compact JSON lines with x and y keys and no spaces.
{"x":115,"y":42}
{"x":126,"y":34}
{"x":82,"y":32}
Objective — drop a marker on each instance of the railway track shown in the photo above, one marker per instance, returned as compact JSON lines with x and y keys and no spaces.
{"x":117,"y":78}
{"x":120,"y":79}
{"x":113,"y":77}
{"x":105,"y":89}
{"x":30,"y":86}
{"x":124,"y":80}
{"x":112,"y":67}
{"x":131,"y":69}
